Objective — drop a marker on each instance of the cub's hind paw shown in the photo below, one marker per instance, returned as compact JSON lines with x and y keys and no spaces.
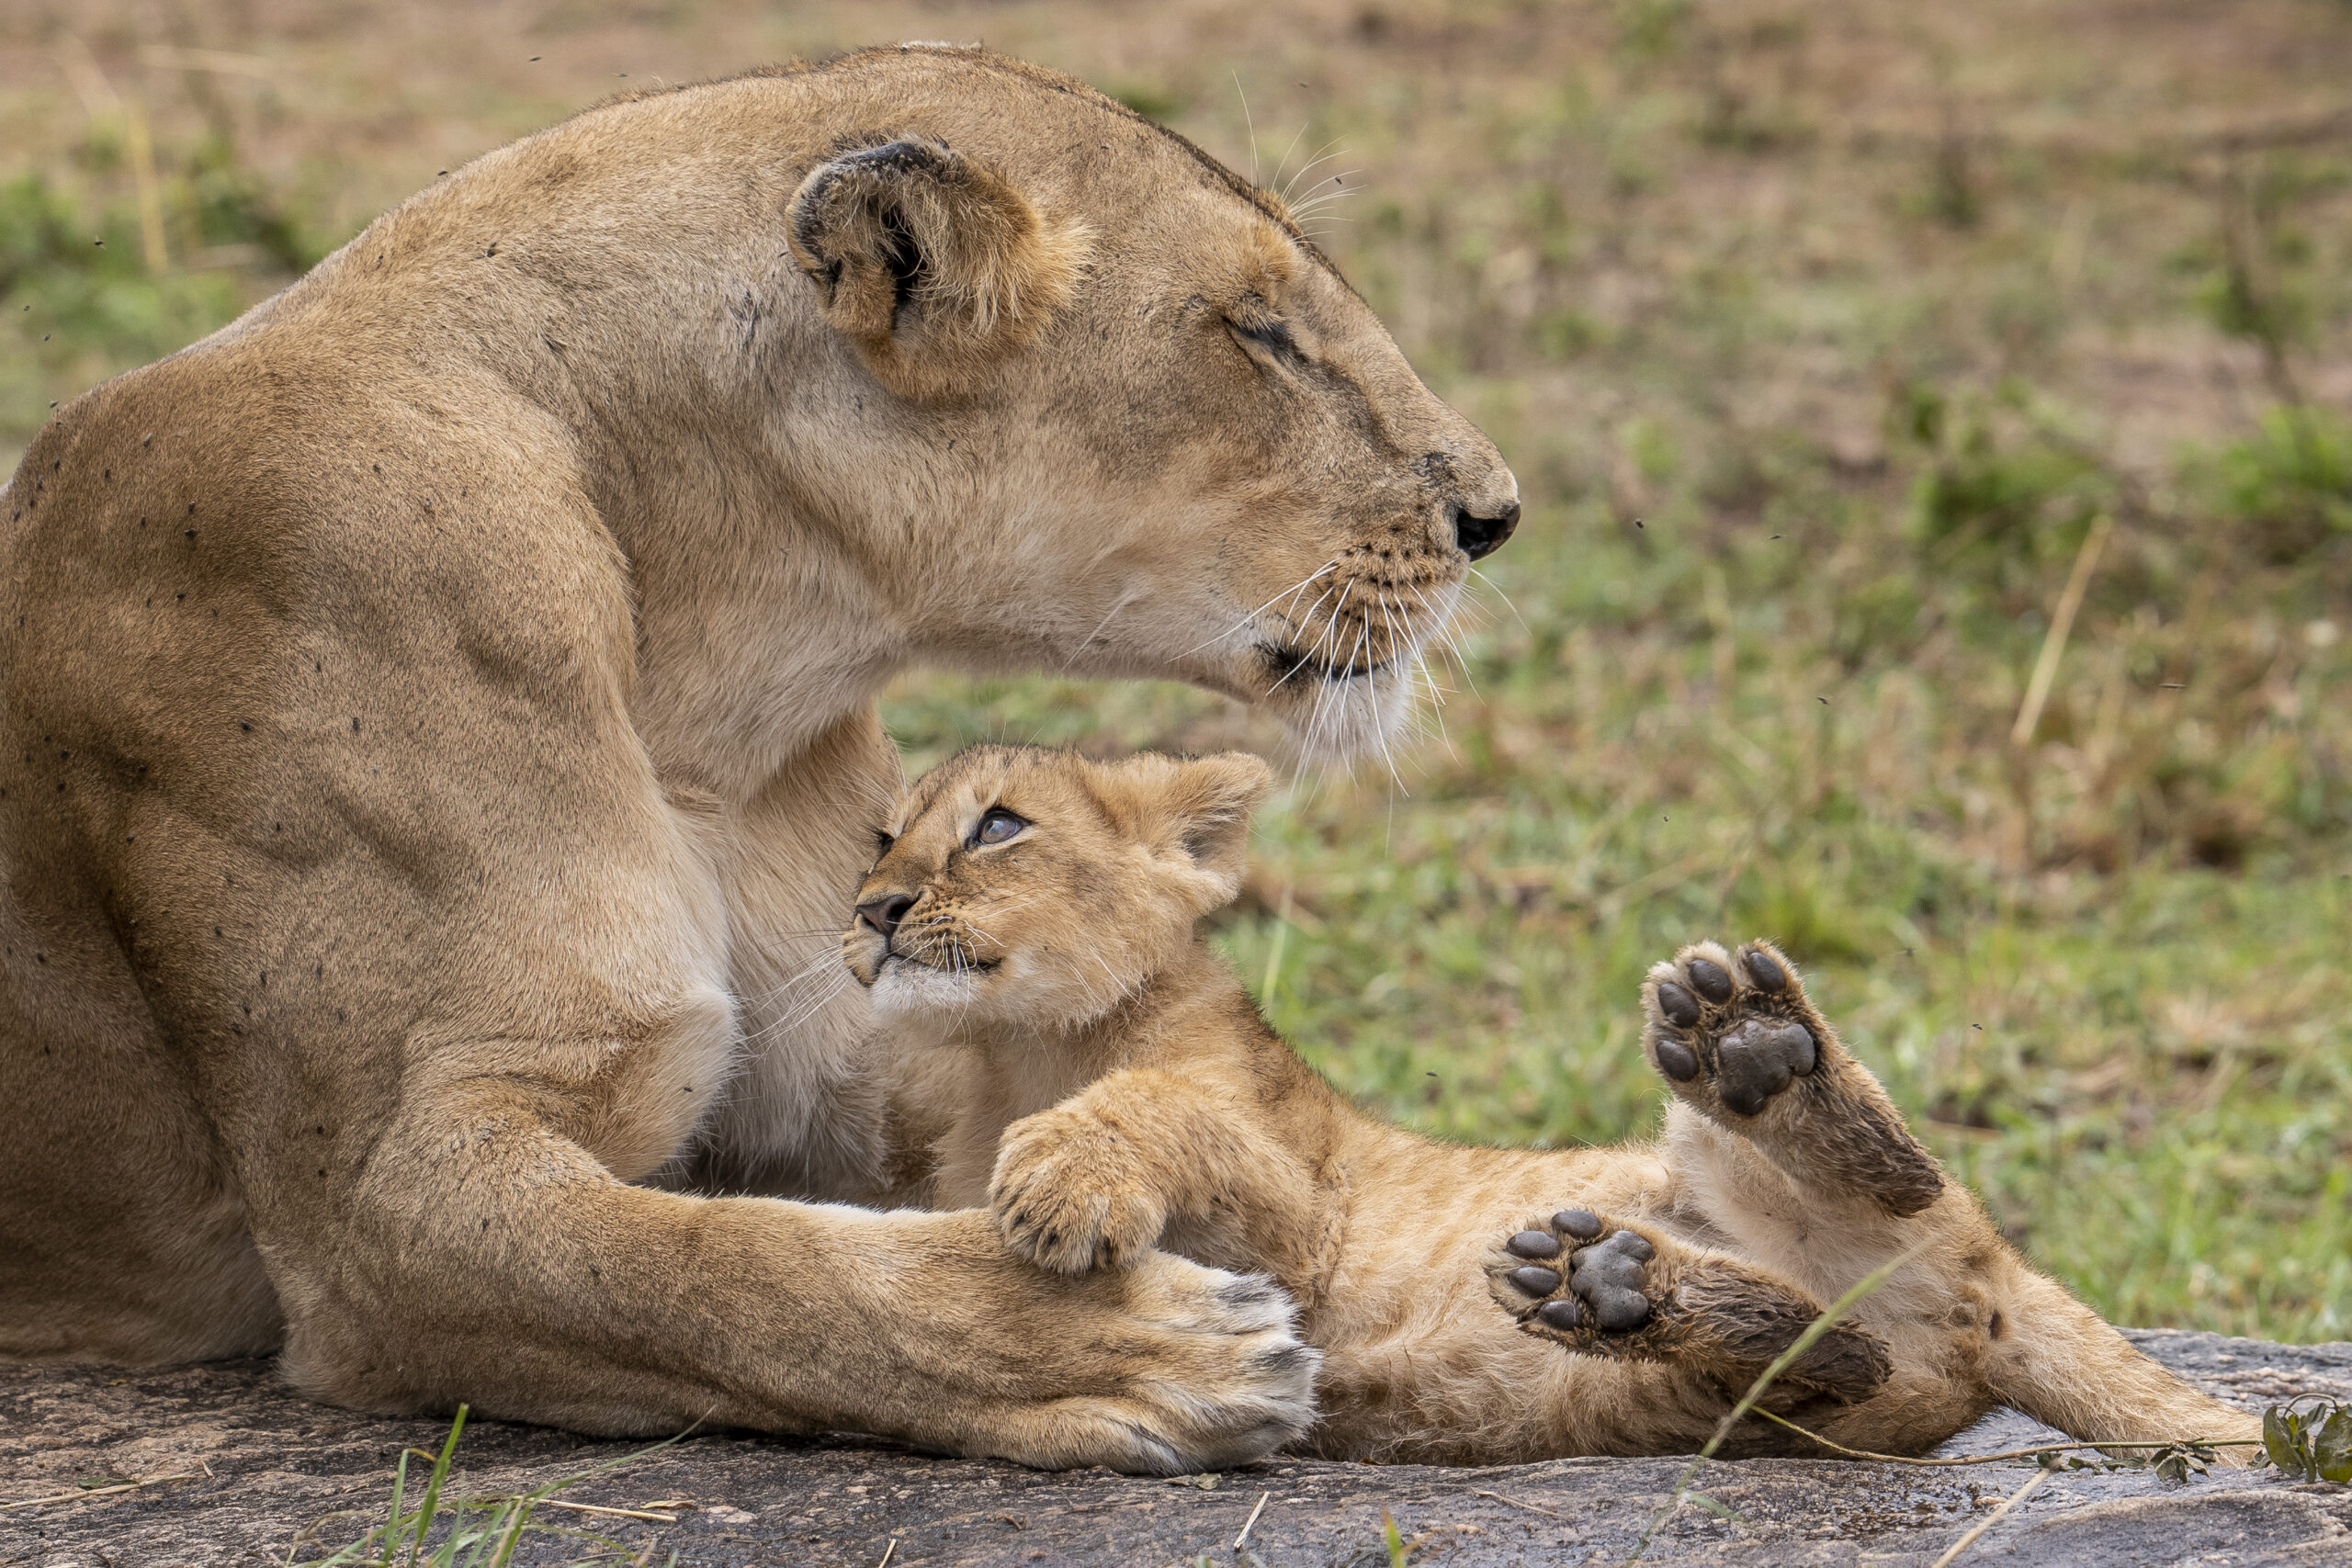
{"x":1604,"y":1290}
{"x":1736,"y":1036}
{"x":1748,"y":1041}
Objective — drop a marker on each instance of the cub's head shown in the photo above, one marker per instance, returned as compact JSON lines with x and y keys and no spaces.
{"x":1094,"y":402}
{"x":1027,"y":887}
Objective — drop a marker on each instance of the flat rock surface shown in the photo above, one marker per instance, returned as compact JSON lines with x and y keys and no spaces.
{"x":264,"y":1474}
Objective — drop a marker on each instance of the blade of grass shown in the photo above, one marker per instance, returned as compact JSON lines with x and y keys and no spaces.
{"x":79,"y":1494}
{"x":522,"y":1516}
{"x":2062,"y":622}
{"x":433,"y":1486}
{"x":392,"y":1518}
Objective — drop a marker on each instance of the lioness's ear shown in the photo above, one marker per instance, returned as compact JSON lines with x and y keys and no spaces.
{"x":929,"y":260}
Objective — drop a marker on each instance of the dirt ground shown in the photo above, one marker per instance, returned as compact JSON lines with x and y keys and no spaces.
{"x":263,"y":1474}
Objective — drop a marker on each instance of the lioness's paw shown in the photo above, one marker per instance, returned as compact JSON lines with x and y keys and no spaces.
{"x":1576,"y":1278}
{"x":1736,"y":1036}
{"x":1207,"y":1372}
{"x":1064,"y":1197}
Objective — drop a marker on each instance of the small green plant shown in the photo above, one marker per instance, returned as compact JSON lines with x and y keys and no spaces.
{"x":485,"y":1529}
{"x":2291,"y":480}
{"x":1990,"y":489}
{"x":2309,"y":1439}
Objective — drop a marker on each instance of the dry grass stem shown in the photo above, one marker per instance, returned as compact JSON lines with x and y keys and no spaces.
{"x":2040,"y":1452}
{"x":84,"y":1495}
{"x":2062,"y":622}
{"x":1994,"y":1517}
{"x":1251,"y":1522}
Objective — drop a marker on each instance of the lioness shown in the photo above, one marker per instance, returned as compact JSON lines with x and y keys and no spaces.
{"x":1099,"y":1079}
{"x":439,"y":728}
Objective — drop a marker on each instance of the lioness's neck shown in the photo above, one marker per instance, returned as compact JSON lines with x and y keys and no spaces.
{"x":674,"y":364}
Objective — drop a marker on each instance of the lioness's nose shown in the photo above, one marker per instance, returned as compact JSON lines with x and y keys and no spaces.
{"x":1480,"y":536}
{"x":885,"y":913}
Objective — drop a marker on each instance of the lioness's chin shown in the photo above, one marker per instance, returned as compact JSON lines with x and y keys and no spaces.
{"x":1337,"y":717}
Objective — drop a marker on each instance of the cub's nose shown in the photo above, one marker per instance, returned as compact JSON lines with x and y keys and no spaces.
{"x":885,"y":913}
{"x":1481,"y":536}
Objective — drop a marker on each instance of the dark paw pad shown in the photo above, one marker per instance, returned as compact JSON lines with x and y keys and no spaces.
{"x":1713,"y":983}
{"x":1534,"y":1243}
{"x":1609,"y":1278}
{"x":1739,"y":1027}
{"x":1577,"y":1275}
{"x":1756,"y":1059}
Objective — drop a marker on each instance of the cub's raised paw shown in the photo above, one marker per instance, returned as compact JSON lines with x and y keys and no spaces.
{"x":1601,"y":1289}
{"x":1736,"y":1036}
{"x":1064,"y":1197}
{"x":1741,"y":1023}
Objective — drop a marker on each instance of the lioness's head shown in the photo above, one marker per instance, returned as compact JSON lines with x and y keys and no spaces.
{"x":1022,"y":885}
{"x":1107,"y":409}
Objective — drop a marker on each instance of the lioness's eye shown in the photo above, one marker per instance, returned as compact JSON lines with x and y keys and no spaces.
{"x":996,"y":826}
{"x":882,"y":842}
{"x":1270,"y":333}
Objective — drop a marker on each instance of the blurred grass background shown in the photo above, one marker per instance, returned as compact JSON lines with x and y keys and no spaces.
{"x":1830,"y":341}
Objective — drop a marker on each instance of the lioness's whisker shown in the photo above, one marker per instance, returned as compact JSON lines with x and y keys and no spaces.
{"x":1498,"y":593}
{"x":1323,"y":155}
{"x":1124,"y":599}
{"x":1292,"y":593}
{"x":1337,"y":193}
{"x":1283,"y":161}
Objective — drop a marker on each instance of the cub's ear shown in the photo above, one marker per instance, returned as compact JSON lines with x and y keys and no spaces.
{"x":1196,"y":812}
{"x":930,"y":260}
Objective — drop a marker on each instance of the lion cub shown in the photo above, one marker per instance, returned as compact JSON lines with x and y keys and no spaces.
{"x":1079,"y":1062}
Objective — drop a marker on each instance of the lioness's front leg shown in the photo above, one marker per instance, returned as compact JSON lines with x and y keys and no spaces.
{"x":526,"y":1281}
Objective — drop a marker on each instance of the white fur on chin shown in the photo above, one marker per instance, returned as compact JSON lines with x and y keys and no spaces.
{"x":905,"y":990}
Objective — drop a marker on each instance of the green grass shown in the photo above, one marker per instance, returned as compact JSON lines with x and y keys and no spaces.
{"x":447,"y":1527}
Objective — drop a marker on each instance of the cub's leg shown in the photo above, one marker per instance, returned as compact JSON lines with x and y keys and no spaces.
{"x":1607,"y":1290}
{"x":1739,"y":1042}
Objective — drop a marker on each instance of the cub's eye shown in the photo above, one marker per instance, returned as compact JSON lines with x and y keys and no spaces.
{"x":996,"y":826}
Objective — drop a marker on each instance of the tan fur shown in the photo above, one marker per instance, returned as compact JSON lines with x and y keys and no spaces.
{"x":439,"y":731}
{"x":1105,"y":1086}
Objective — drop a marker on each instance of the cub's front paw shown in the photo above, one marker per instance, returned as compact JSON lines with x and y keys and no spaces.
{"x":1064,"y":1197}
{"x":1598,"y":1288}
{"x":1576,"y":1280}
